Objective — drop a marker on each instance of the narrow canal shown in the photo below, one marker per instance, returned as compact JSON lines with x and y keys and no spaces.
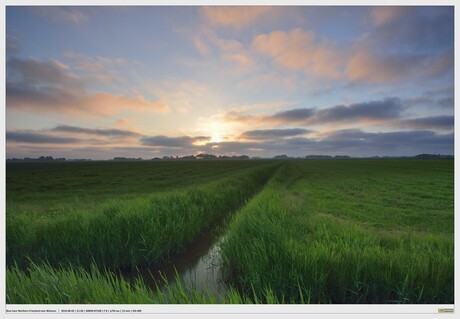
{"x":199,"y":267}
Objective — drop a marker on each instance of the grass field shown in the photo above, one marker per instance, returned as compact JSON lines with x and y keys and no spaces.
{"x":129,"y":232}
{"x":297,"y":231}
{"x":356,"y":231}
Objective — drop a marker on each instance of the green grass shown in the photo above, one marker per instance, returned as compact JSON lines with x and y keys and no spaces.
{"x":146,"y":230}
{"x":319,"y":231}
{"x":55,"y":188}
{"x":43,"y":284}
{"x":351,"y":231}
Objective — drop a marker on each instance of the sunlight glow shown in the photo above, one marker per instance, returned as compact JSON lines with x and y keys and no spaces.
{"x":216,"y":138}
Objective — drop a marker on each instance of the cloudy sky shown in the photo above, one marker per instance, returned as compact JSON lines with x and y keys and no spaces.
{"x":99,"y":82}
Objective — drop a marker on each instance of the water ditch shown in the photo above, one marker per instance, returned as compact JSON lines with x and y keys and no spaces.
{"x":199,"y":267}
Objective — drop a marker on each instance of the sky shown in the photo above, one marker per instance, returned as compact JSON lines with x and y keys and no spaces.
{"x":150,"y":81}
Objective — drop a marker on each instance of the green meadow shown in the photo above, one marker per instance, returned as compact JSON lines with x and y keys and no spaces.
{"x":341,"y":231}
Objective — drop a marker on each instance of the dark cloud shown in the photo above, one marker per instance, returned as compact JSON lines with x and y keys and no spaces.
{"x":293,"y":115}
{"x":36,"y":85}
{"x":431,"y":100}
{"x":33,"y":72}
{"x":389,"y":143}
{"x":176,"y":142}
{"x":417,"y":29}
{"x":446,"y":102}
{"x":38,"y":138}
{"x":274,"y":133}
{"x":351,"y":142}
{"x":385,"y":109}
{"x":101,"y":132}
{"x":22,"y":96}
{"x":389,"y":108}
{"x":433,"y":122}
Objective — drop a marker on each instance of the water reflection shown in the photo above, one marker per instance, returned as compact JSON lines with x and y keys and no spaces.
{"x":206,"y":274}
{"x":199,"y":267}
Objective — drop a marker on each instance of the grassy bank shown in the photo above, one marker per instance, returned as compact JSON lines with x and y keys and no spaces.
{"x":351,"y":231}
{"x":145,"y":230}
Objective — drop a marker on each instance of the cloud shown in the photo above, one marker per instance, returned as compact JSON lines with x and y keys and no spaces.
{"x":391,"y":142}
{"x":441,"y":64}
{"x":388,"y":14}
{"x":99,"y":69}
{"x":234,"y":51}
{"x":232,"y":16}
{"x":373,"y":110}
{"x":416,"y":29}
{"x":431,"y":99}
{"x":273,"y":133}
{"x":62,"y":102}
{"x":100,"y":132}
{"x":61,"y":14}
{"x":300,"y":50}
{"x":206,"y":42}
{"x":403,"y":42}
{"x":294,"y":115}
{"x":300,"y":115}
{"x":421,"y":46}
{"x":268,"y":142}
{"x":76,"y":136}
{"x":37,"y":138}
{"x":448,"y":90}
{"x":447,"y":102}
{"x":377,"y":111}
{"x":173,"y":142}
{"x":200,"y":43}
{"x":433,"y":122}
{"x":49,"y":86}
{"x":370,"y":67}
{"x":352,"y":142}
{"x":33,"y":72}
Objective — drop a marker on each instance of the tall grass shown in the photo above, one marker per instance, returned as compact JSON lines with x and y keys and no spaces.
{"x":128,"y":233}
{"x":43,"y":284}
{"x":285,"y":240}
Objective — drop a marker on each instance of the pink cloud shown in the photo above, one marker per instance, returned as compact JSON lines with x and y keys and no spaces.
{"x":387,"y":14}
{"x":234,"y":16}
{"x":229,"y":50}
{"x":300,"y":50}
{"x":50,"y":87}
{"x":77,"y":102}
{"x":367,"y":66}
